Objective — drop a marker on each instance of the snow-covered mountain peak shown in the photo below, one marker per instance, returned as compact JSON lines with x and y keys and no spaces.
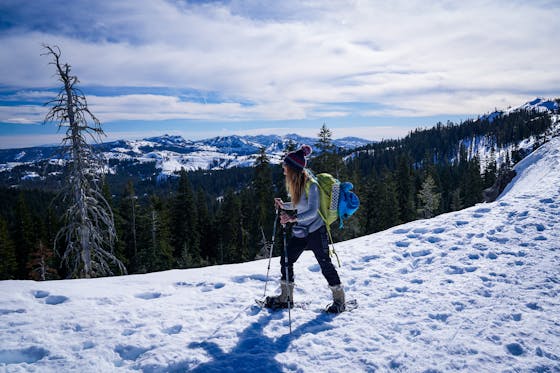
{"x":539,"y":104}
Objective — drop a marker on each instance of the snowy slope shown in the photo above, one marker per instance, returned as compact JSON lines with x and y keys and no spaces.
{"x":475,"y":290}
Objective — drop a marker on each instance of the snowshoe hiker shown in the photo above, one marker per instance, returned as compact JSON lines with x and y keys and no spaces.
{"x":308,"y":232}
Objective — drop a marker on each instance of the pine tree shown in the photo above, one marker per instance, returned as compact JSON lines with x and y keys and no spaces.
{"x":473,"y":183}
{"x":327,"y":159}
{"x":8,"y":264}
{"x":156,"y":252}
{"x":263,"y":196}
{"x":389,"y":204}
{"x":405,"y":190}
{"x":230,"y":223}
{"x":429,"y":199}
{"x":25,"y":235}
{"x":491,"y":170}
{"x":206,"y":227}
{"x":456,"y":203}
{"x":290,"y":147}
{"x":88,"y":235}
{"x":184,"y":225}
{"x":128,"y":210}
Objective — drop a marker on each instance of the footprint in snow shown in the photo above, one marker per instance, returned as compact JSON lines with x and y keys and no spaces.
{"x":433,"y":239}
{"x":455,"y":270}
{"x":369,"y":258}
{"x":438,"y":230}
{"x":417,"y":254}
{"x":56,"y":299}
{"x":515,"y":349}
{"x":492,"y":256}
{"x":210,"y":286}
{"x":458,"y":306}
{"x":28,"y":355}
{"x":175,"y":329}
{"x":523,"y":215}
{"x":148,"y":295}
{"x":534,"y":306}
{"x":480,"y":247}
{"x":401,"y":231}
{"x":254,"y":277}
{"x":40,"y":294}
{"x":439,"y":316}
{"x":6,"y":312}
{"x":130,"y":352}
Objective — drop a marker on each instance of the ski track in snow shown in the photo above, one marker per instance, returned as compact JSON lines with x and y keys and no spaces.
{"x":475,"y":290}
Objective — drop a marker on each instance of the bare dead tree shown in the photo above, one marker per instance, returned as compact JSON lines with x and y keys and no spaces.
{"x":88,"y":235}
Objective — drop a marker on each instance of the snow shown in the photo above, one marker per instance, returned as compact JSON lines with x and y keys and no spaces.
{"x":30,"y":175}
{"x":475,"y":290}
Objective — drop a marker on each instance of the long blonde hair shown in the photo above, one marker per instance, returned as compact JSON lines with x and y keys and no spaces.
{"x":295,"y":183}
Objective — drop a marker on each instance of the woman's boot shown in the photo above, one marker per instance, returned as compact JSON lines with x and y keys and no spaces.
{"x":281,"y":301}
{"x":339,"y":304}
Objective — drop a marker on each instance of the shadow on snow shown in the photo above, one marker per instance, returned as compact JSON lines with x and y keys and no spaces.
{"x":255,"y":352}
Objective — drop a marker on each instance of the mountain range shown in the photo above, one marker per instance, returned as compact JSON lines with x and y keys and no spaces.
{"x":171,"y":153}
{"x":164,"y":155}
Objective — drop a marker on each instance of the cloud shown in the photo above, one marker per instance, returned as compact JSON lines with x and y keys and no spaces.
{"x":291,"y":60}
{"x":22,"y":114}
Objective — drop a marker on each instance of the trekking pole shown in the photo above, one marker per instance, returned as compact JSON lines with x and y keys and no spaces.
{"x":270,"y":254}
{"x":287,"y":277}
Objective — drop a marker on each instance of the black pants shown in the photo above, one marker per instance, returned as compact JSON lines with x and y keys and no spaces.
{"x":318,"y":242}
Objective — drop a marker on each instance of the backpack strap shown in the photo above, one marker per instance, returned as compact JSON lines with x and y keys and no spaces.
{"x":332,"y":250}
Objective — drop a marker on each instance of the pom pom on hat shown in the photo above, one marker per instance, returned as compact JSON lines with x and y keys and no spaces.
{"x":296,"y":159}
{"x":306,"y":150}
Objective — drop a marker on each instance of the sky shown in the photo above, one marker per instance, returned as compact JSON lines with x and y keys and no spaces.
{"x":372,"y":69}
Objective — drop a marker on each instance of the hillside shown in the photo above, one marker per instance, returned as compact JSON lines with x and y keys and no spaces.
{"x":474,"y":290}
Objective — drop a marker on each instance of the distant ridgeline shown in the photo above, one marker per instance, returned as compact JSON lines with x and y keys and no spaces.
{"x":214,"y":213}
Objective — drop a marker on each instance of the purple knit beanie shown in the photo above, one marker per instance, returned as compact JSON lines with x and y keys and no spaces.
{"x":296,"y":159}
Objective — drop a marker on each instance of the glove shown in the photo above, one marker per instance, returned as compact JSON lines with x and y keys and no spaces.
{"x":278,"y":203}
{"x":286,"y":218}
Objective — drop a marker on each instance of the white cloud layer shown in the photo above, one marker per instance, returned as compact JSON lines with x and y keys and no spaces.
{"x":290,"y":60}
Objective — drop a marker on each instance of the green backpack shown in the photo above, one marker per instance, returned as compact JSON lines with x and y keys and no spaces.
{"x":336,"y":200}
{"x":329,"y":191}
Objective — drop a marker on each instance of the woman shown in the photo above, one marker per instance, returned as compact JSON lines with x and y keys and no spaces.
{"x":308,"y":232}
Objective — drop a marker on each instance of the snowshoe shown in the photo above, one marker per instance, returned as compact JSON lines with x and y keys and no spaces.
{"x":336,"y":308}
